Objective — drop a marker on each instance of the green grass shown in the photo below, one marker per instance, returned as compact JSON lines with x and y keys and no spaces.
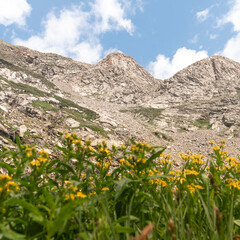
{"x":89,"y":114}
{"x":181,"y":129}
{"x":202,"y":123}
{"x":114,"y":192}
{"x":24,"y":88}
{"x":44,"y":105}
{"x":95,"y":128}
{"x":238,"y":92}
{"x":85,"y":121}
{"x":164,"y":136}
{"x":77,"y":115}
{"x":149,"y":113}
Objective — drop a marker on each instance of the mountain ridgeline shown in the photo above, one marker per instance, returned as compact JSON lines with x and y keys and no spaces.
{"x":42,"y":94}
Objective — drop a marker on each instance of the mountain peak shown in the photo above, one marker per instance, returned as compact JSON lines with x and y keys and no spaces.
{"x":119,"y":60}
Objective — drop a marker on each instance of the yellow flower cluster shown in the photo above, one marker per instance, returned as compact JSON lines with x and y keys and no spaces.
{"x":190,"y":172}
{"x":159,"y":182}
{"x":141,"y":160}
{"x":140,"y":147}
{"x":74,"y":192}
{"x":232,"y":183}
{"x":43,"y":157}
{"x":72,"y":196}
{"x":37,"y":163}
{"x":233,"y":163}
{"x":104,"y":151}
{"x":192,"y":188}
{"x":105,"y":165}
{"x":219,"y":148}
{"x":195,"y":158}
{"x":7,"y":185}
{"x":29,"y":151}
{"x":129,"y":162}
{"x":164,"y":159}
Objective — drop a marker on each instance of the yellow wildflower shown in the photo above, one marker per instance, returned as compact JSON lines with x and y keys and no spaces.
{"x":190,"y":172}
{"x":81,"y":195}
{"x":69,"y":197}
{"x":35,"y":163}
{"x":216,"y":148}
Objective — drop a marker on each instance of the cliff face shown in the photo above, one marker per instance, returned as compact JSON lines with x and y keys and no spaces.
{"x":41,"y":94}
{"x":204,"y":80}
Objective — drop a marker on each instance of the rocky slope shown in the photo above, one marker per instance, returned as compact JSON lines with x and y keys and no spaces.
{"x":116,"y":99}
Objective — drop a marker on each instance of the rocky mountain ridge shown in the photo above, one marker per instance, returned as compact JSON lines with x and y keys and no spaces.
{"x":116,"y":99}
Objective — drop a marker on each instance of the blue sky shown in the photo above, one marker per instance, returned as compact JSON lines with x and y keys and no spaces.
{"x":163,"y":36}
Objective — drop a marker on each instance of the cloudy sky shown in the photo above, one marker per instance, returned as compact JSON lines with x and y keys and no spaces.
{"x":163,"y":36}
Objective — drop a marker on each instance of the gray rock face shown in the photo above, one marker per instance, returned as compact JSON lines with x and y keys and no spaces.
{"x":204,"y":80}
{"x":117,"y":99}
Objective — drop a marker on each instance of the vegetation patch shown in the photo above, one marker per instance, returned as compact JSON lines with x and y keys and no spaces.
{"x":181,"y":129}
{"x":95,"y":128}
{"x":26,"y":88}
{"x":76,"y":115}
{"x":148,"y":113}
{"x":89,"y":114}
{"x":202,"y":123}
{"x":89,"y":192}
{"x":164,"y":136}
{"x":238,"y":92}
{"x":44,"y":105}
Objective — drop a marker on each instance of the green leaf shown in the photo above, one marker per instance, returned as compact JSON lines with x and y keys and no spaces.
{"x":207,"y":212}
{"x":10,"y":234}
{"x":65,"y":213}
{"x":121,"y":229}
{"x":84,"y":236}
{"x":18,"y":141}
{"x":122,"y":184}
{"x":49,"y":199}
{"x":156,"y":155}
{"x":53,"y":162}
{"x":34,"y":212}
{"x":127,"y":218}
{"x":7,"y":167}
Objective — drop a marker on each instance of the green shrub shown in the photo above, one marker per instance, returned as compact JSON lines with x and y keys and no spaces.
{"x":202,"y":123}
{"x":44,"y":105}
{"x":113,"y":193}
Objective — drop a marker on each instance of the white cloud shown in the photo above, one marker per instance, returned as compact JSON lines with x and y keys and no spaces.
{"x":111,"y":50}
{"x":14,"y":11}
{"x":233,"y":16}
{"x":76,"y":33}
{"x":232,"y":47}
{"x":111,"y":15}
{"x":87,"y":52}
{"x":164,"y":68}
{"x":203,"y":15}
